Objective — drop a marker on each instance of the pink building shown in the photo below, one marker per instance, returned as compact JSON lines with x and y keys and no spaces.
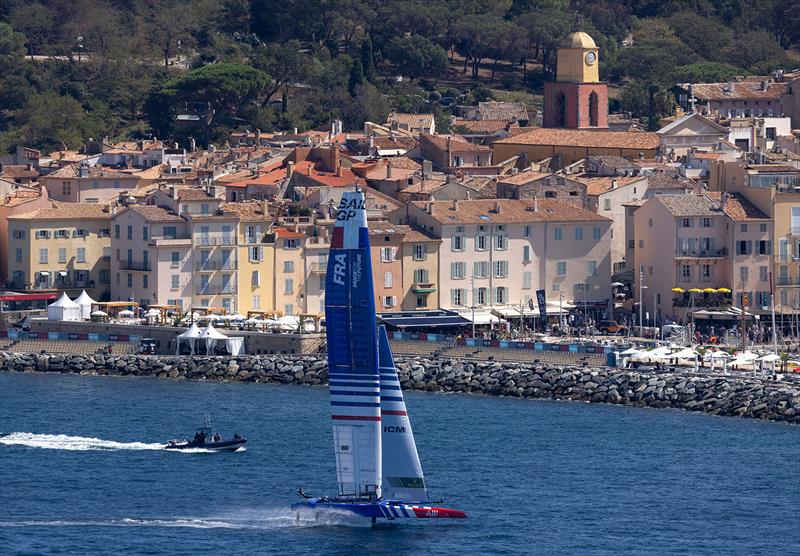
{"x":699,"y":242}
{"x":151,"y":257}
{"x":498,"y":252}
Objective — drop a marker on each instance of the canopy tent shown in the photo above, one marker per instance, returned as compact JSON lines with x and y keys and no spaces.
{"x":64,"y":309}
{"x":631,"y":351}
{"x":86,"y":304}
{"x":212,"y":336}
{"x":481,"y":316}
{"x":190,"y":336}
{"x":421,"y":320}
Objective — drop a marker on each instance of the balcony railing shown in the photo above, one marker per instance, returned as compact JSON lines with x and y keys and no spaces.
{"x":135,"y":265}
{"x":787,"y":281}
{"x":210,"y":265}
{"x":215,"y":239}
{"x":318,"y":268}
{"x":701,"y":253}
{"x":423,"y":287}
{"x":215,"y":289}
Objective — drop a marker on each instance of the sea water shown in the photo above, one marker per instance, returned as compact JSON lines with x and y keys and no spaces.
{"x":82,"y":470}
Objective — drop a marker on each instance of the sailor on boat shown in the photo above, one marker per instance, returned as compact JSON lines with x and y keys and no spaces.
{"x":377,"y":466}
{"x":205,"y":439}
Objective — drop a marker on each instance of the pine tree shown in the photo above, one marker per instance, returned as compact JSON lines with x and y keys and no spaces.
{"x":356,"y":77}
{"x":368,"y":60}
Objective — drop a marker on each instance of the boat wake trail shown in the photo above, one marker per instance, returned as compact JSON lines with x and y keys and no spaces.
{"x":65,"y":442}
{"x":274,"y":518}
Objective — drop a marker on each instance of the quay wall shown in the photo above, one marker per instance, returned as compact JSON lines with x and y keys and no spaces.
{"x":742,"y":396}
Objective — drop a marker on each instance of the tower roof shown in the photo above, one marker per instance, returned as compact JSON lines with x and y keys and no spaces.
{"x":578,"y":40}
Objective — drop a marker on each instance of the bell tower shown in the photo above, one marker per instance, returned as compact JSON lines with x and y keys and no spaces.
{"x":577,"y":99}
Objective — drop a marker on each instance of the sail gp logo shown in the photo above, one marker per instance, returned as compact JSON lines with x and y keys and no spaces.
{"x":339,"y":268}
{"x":347,"y":210}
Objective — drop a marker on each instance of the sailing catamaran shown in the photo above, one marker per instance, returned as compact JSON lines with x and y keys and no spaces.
{"x":377,"y":464}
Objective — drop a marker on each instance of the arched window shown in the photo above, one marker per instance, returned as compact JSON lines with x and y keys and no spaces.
{"x":561,"y":110}
{"x":593,"y":118}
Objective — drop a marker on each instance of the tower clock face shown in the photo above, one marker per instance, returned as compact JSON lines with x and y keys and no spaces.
{"x":590,"y":58}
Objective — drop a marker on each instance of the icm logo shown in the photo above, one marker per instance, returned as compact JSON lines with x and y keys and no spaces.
{"x":339,"y":269}
{"x":394,"y":429}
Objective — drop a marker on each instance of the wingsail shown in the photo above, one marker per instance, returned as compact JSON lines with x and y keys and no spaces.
{"x":353,"y":353}
{"x":402,"y":471}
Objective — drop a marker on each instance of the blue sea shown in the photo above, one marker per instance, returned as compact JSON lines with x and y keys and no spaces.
{"x":82,"y":472}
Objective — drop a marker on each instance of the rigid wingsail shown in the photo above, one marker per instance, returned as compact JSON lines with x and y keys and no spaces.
{"x":377,"y":466}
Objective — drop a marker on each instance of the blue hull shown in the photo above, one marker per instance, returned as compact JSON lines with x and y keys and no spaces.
{"x":377,"y":509}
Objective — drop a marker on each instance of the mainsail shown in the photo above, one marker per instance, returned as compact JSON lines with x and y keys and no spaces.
{"x":353,"y":353}
{"x":402,"y":472}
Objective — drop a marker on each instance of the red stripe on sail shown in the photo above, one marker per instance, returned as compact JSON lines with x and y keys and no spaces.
{"x":337,"y":241}
{"x":356,"y":417}
{"x":388,"y":412}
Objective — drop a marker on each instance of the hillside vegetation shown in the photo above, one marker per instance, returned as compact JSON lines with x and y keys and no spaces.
{"x":126,"y":68}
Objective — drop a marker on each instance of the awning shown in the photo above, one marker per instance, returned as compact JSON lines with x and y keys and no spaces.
{"x":62,"y":273}
{"x":28,"y":297}
{"x":480,"y":316}
{"x":44,"y":273}
{"x":423,"y":319}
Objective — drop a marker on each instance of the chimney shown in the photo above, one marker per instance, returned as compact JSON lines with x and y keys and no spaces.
{"x":614,"y":183}
{"x":389,"y":170}
{"x":429,"y":208}
{"x":455,"y":205}
{"x":723,"y":201}
{"x":371,"y":141}
{"x":338,"y":168}
{"x":258,"y":136}
{"x":730,"y":86}
{"x":289,"y":169}
{"x":497,"y":207}
{"x":264,"y":207}
{"x":295,"y":131}
{"x":449,"y":150}
{"x":536,"y":204}
{"x":192,"y":144}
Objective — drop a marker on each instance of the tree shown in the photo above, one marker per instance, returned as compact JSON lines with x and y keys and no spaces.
{"x":649,"y":102}
{"x":167,"y":22}
{"x":284,"y":63}
{"x":416,"y":56}
{"x":217,"y":90}
{"x":356,"y":77}
{"x":705,"y":72}
{"x":51,"y":121}
{"x":368,"y":59}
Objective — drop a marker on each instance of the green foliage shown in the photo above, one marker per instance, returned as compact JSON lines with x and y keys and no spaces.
{"x":705,"y":72}
{"x":650,"y":103}
{"x":356,"y":77}
{"x":416,"y":56}
{"x":368,"y":59}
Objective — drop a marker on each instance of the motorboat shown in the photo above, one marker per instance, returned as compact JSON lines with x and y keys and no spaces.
{"x":206,"y":439}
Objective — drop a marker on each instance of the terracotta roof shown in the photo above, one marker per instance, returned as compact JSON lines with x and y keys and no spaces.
{"x":511,"y":211}
{"x":155,"y":213}
{"x":737,"y":207}
{"x":457,"y":144}
{"x":599,"y":185}
{"x":397,"y":142}
{"x":424,"y":186}
{"x":480,"y":126}
{"x":689,"y":205}
{"x":523,"y":177}
{"x":66,"y":211}
{"x":747,"y":90}
{"x":192,"y":194}
{"x":405,"y":163}
{"x":665,"y":181}
{"x":506,"y":111}
{"x":247,"y":210}
{"x":285,"y":233}
{"x":411,"y":120}
{"x":413,"y":235}
{"x":782,"y":168}
{"x":599,"y":138}
{"x":18,"y":171}
{"x":706,"y":156}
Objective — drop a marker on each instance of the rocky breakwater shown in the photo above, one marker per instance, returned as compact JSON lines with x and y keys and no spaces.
{"x":742,"y":396}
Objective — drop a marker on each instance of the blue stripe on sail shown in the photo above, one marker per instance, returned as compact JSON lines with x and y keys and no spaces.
{"x":356,"y":404}
{"x":332,"y":375}
{"x":355,"y":384}
{"x":353,"y":393}
{"x":391,"y":399}
{"x":385,"y":387}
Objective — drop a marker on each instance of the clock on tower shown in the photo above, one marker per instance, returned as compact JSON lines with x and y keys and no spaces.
{"x":577,"y":98}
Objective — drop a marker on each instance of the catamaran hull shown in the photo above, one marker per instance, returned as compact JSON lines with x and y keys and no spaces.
{"x":377,"y":510}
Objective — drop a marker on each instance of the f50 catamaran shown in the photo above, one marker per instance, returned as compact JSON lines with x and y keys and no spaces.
{"x":377,"y":465}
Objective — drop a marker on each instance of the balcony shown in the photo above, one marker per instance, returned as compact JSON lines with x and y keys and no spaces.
{"x":215,"y":239}
{"x":318,"y":268}
{"x":423,"y":287}
{"x":211,"y":265}
{"x":215,"y":289}
{"x":143,"y":266}
{"x":787,"y":281}
{"x":701,"y":253}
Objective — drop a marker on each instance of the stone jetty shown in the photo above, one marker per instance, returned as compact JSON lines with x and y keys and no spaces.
{"x":742,"y":396}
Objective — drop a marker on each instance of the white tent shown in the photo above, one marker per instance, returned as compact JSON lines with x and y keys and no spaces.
{"x":211,"y":336}
{"x":190,"y":336}
{"x":64,"y":309}
{"x":86,"y":304}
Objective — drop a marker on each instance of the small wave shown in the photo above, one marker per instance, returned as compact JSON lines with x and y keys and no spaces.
{"x":65,"y":442}
{"x":276,"y":518}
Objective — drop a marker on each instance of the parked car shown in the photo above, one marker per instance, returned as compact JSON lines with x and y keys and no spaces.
{"x":611,"y":327}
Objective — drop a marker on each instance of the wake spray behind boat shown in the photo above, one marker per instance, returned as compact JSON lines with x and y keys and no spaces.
{"x":377,"y":465}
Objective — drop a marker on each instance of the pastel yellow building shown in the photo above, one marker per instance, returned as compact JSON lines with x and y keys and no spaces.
{"x":256,"y":259}
{"x":64,"y":247}
{"x":289,"y":271}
